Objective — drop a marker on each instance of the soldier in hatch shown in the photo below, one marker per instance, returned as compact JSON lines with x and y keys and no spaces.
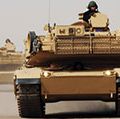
{"x":9,"y":46}
{"x":92,"y":8}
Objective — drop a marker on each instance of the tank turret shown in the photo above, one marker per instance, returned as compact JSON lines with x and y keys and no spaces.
{"x":77,"y":42}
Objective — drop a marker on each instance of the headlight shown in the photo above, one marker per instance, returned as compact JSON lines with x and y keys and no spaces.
{"x":109,"y":73}
{"x":46,"y":74}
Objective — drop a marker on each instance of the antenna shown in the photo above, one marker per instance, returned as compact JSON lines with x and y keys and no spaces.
{"x":49,"y":12}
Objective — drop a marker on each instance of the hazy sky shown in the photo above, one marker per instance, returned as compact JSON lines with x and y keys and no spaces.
{"x":18,"y":17}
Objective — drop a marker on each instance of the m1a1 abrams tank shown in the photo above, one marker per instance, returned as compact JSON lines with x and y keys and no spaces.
{"x":10,"y":59}
{"x":72,"y":62}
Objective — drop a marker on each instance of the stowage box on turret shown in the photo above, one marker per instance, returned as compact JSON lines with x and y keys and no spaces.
{"x":80,"y":61}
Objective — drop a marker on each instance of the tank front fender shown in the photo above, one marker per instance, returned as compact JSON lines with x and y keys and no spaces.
{"x":27,"y":81}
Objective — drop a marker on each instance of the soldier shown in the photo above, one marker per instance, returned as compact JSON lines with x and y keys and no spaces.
{"x":9,"y":46}
{"x":92,"y":8}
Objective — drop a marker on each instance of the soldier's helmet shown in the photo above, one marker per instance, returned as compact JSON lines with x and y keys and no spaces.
{"x":7,"y":40}
{"x":92,"y":4}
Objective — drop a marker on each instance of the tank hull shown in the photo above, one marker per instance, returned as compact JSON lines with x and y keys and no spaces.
{"x":10,"y":67}
{"x":11,"y":62}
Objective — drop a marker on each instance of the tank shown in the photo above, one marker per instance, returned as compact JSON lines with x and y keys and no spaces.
{"x":10,"y":59}
{"x":79,"y":61}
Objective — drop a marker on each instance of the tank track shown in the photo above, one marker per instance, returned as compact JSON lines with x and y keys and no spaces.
{"x":30,"y":103}
{"x":118,"y":101}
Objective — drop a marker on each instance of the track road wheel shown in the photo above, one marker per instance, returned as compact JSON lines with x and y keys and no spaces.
{"x":30,"y":105}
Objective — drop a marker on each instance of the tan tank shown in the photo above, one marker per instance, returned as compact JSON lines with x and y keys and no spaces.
{"x":10,"y":59}
{"x":71,"y":62}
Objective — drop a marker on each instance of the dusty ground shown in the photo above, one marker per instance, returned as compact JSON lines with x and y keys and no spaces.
{"x":70,"y":109}
{"x":6,"y":77}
